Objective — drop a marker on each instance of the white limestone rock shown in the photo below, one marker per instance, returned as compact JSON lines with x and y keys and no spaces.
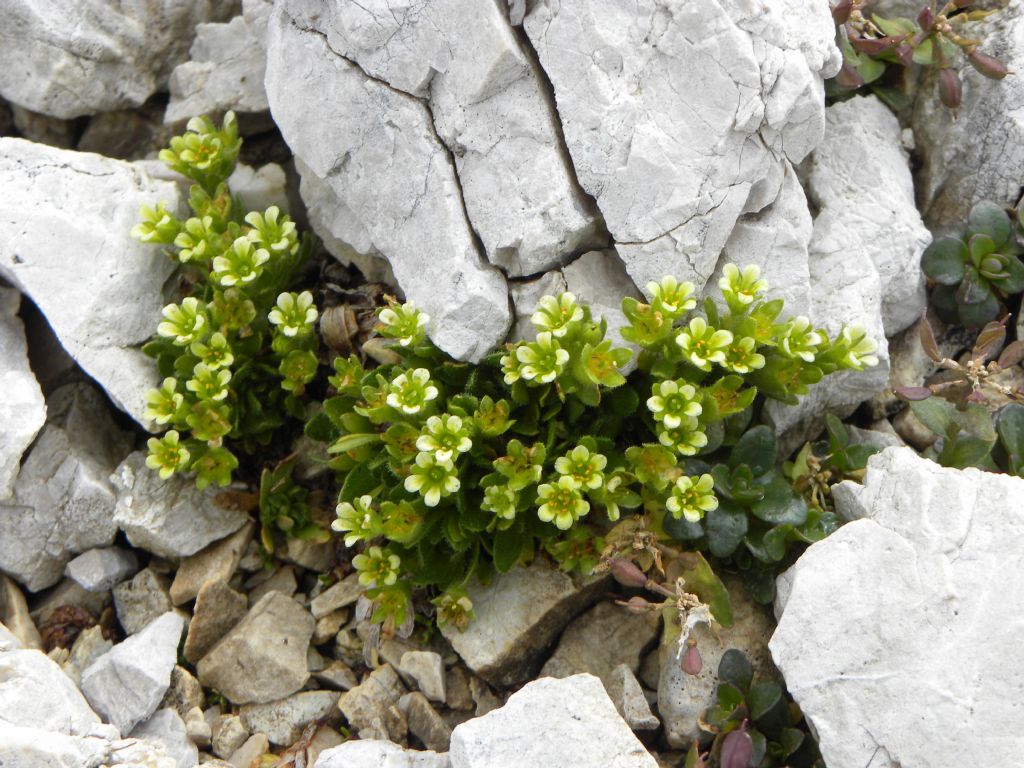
{"x":679,"y":116}
{"x":226,"y":67}
{"x":283,"y":720}
{"x":487,"y":104}
{"x":31,"y":747}
{"x":64,"y":59}
{"x":22,"y":409}
{"x":99,"y":570}
{"x":426,"y":670}
{"x":35,"y":692}
{"x":63,"y":500}
{"x":629,"y":699}
{"x":517,"y":617}
{"x":15,"y":616}
{"x":167,"y":730}
{"x":377,"y":753}
{"x":395,"y":186}
{"x":899,"y":633}
{"x":776,"y":239}
{"x":977,"y":152}
{"x":860,"y":182}
{"x":126,"y":684}
{"x":264,"y":657}
{"x":65,"y":223}
{"x":170,"y":518}
{"x":570,"y":723}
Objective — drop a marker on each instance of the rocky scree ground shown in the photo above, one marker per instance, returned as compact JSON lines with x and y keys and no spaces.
{"x":590,"y":147}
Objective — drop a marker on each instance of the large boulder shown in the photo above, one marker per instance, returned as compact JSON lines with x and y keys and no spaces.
{"x":65,"y":223}
{"x":22,"y":409}
{"x":394,"y":183}
{"x":66,"y":59}
{"x":974,"y":153}
{"x":672,"y":119}
{"x":35,"y":692}
{"x":570,"y":723}
{"x":63,"y":501}
{"x":899,"y":633}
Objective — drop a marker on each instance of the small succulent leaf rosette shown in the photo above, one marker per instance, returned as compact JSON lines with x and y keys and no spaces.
{"x":450,"y":471}
{"x":975,"y":272}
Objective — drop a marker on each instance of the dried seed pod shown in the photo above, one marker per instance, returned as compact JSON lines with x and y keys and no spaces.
{"x":737,"y":749}
{"x":340,"y":329}
{"x":691,"y":662}
{"x":950,"y":88}
{"x":381,"y":351}
{"x":627,"y":573}
{"x":989,"y":66}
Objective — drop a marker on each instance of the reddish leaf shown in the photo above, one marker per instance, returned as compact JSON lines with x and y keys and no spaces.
{"x":927,"y":336}
{"x":737,"y":749}
{"x":1012,"y":355}
{"x":912,"y":394}
{"x":989,"y":342}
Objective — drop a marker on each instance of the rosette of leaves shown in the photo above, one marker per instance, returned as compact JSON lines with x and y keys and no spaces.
{"x":820,"y":465}
{"x":237,"y":350}
{"x":759,"y":517}
{"x":978,"y":420}
{"x":876,"y":49}
{"x":752,"y":723}
{"x":454,"y":471}
{"x":976,"y":272}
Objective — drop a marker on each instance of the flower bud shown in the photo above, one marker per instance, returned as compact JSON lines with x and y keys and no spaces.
{"x":989,"y":66}
{"x":636,"y":604}
{"x":737,"y":749}
{"x":950,"y":88}
{"x":926,"y":18}
{"x":691,"y":662}
{"x":627,"y":573}
{"x":841,"y":11}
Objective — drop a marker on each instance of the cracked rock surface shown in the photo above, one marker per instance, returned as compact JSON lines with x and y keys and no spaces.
{"x":395,"y":185}
{"x":977,"y":154}
{"x":67,"y":58}
{"x":65,"y":223}
{"x":63,"y":500}
{"x":898,"y":634}
{"x":226,"y":68}
{"x":22,"y":409}
{"x":679,"y":115}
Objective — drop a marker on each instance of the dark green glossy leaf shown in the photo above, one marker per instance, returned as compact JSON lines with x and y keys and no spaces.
{"x":781,"y":504}
{"x":725,"y":528}
{"x":757,"y":449}
{"x":508,"y":544}
{"x":730,"y":698}
{"x":935,"y":413}
{"x":976,"y":315}
{"x":359,"y":481}
{"x":735,"y":668}
{"x":1014,"y":283}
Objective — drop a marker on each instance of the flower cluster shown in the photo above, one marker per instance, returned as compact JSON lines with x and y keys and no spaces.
{"x":235,"y":265}
{"x":527,"y":449}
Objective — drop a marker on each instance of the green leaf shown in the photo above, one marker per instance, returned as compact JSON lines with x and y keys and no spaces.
{"x":762,"y":698}
{"x":725,"y":528}
{"x":320,"y":428}
{"x":1010,"y":425}
{"x":776,"y":540}
{"x":935,"y":413}
{"x":781,"y":504}
{"x":508,"y":544}
{"x":336,"y":407}
{"x":735,"y":668}
{"x":352,"y":442}
{"x":760,"y":584}
{"x":790,"y":740}
{"x":923,"y":52}
{"x":977,"y":314}
{"x":730,"y":698}
{"x":757,"y":449}
{"x":989,"y":219}
{"x":1015,"y":282}
{"x":359,"y":481}
{"x":943,"y":261}
{"x":682,"y":529}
